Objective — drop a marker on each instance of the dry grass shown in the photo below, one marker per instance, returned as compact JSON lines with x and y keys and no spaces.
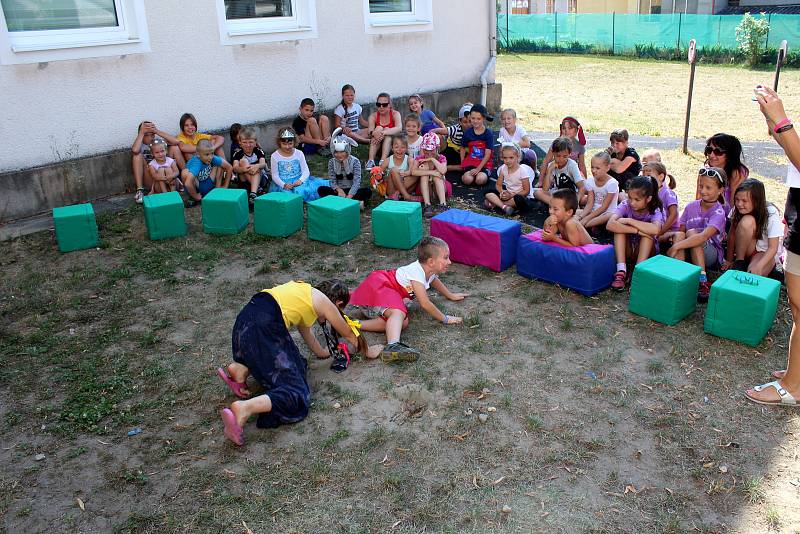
{"x":646,"y":97}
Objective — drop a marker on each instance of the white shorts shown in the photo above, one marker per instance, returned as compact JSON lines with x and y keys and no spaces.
{"x":791,"y":263}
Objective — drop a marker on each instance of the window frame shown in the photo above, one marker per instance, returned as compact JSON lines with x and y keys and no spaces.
{"x":302,"y":24}
{"x":130,"y":36}
{"x":419,"y":19}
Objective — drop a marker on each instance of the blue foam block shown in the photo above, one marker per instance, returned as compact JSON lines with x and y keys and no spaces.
{"x":587,"y":270}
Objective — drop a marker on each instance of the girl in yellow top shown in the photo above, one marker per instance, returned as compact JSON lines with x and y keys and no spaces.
{"x":263,"y":347}
{"x":188,"y":138}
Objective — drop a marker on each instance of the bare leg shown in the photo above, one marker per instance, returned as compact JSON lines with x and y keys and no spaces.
{"x":441,"y":192}
{"x":481,"y":178}
{"x":138,"y":163}
{"x":467,"y":179}
{"x":544,"y":196}
{"x":621,"y":247}
{"x":386,"y":148}
{"x":425,"y":187}
{"x":325,"y":127}
{"x":645,"y":249}
{"x":245,"y":408}
{"x":493,"y":200}
{"x":745,"y":243}
{"x":698,"y":253}
{"x":188,"y":183}
{"x":176,"y":154}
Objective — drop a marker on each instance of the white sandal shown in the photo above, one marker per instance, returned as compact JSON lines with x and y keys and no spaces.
{"x":786,"y":398}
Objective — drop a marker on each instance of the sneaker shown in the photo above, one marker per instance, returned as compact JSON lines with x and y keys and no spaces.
{"x":427,"y":211}
{"x":619,"y":280}
{"x":394,"y":196}
{"x":441,"y":207}
{"x":260,"y":191}
{"x":191,"y":203}
{"x":703,"y":291}
{"x":139,"y":197}
{"x":508,"y":210}
{"x":399,"y":352}
{"x":369,"y":165}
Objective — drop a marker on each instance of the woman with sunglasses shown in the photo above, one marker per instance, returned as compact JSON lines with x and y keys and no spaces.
{"x":384,"y":122}
{"x":725,"y":151}
{"x":786,"y":389}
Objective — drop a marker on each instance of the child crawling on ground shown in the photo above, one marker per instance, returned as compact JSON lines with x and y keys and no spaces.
{"x":384,"y":295}
{"x":562,"y":227}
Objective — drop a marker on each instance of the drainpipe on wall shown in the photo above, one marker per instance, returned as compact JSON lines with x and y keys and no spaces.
{"x":489,"y":69}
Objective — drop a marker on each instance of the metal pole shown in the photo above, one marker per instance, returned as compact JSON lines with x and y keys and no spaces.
{"x":508,"y":15}
{"x":680,"y":19}
{"x":769,"y":23}
{"x":719,"y":29}
{"x":692,"y":60}
{"x":555,"y":34}
{"x":613,"y":31}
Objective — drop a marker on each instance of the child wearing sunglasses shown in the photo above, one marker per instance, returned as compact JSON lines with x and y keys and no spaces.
{"x":383,"y":124}
{"x":702,"y":227}
{"x":725,"y":152}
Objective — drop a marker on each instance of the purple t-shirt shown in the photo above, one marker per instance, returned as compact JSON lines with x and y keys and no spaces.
{"x":668,"y":198}
{"x":693,"y":218}
{"x":625,"y":211}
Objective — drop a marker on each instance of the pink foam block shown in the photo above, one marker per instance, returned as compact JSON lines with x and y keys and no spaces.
{"x":476,"y":239}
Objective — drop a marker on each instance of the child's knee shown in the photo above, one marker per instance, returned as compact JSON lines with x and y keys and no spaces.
{"x":405,"y":323}
{"x":747,"y":225}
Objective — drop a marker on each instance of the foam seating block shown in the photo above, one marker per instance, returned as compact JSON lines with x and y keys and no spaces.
{"x":333,"y":219}
{"x":664,"y":289}
{"x":476,"y":239}
{"x":587,"y":269}
{"x":278,"y":214}
{"x":76,"y":227}
{"x":742,"y":307}
{"x":225,"y":211}
{"x":164,"y":215}
{"x":397,"y":224}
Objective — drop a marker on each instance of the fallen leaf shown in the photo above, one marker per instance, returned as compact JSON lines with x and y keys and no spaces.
{"x":708,"y":465}
{"x":80,"y":504}
{"x":475,"y":481}
{"x":498,"y":481}
{"x":630,"y":489}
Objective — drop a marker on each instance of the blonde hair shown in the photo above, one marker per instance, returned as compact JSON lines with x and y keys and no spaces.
{"x":652,"y":152}
{"x":247,"y":133}
{"x":508,"y":111}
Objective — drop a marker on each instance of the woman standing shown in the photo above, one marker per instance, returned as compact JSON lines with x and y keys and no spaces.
{"x":785,"y":390}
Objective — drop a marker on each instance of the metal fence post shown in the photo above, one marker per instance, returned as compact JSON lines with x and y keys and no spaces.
{"x":555,"y":33}
{"x":680,"y":20}
{"x":719,"y":29}
{"x":613,"y":32}
{"x":769,"y":23}
{"x":508,"y":16}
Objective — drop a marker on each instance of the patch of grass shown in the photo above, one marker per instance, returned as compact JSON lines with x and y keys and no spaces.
{"x":479,"y":383}
{"x":655,"y":366}
{"x":534,"y":423}
{"x":346,"y":397}
{"x":473,"y":320}
{"x":753,"y":489}
{"x":772,"y":516}
{"x":335,"y":438}
{"x":374,"y":437}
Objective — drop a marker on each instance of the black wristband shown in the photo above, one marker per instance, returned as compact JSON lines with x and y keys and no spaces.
{"x":785,"y":128}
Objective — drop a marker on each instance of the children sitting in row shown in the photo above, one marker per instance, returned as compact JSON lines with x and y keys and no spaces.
{"x":477,"y":145}
{"x":572,"y":130}
{"x":344,"y":171}
{"x":429,"y":120}
{"x":512,"y":189}
{"x":146,"y":135}
{"x":511,"y":132}
{"x":313,"y":134}
{"x":561,"y":173}
{"x":602,"y":193}
{"x":430,"y":166}
{"x":250,"y":163}
{"x":204,"y":171}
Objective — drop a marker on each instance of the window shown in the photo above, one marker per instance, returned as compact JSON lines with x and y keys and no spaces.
{"x":550,"y":6}
{"x":52,"y":30}
{"x":263,"y":21}
{"x":395,"y":16}
{"x":572,"y":6}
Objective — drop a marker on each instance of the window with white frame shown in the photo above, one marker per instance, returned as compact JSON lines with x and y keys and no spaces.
{"x":52,"y":30}
{"x":263,"y":21}
{"x":392,"y":16}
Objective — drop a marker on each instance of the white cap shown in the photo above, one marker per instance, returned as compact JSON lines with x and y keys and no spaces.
{"x":466,"y":108}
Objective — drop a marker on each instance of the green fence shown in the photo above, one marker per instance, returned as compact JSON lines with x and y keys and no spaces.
{"x":620,"y":33}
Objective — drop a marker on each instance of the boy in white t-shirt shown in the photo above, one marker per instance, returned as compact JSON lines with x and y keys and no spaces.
{"x":561,"y":173}
{"x":384,"y":295}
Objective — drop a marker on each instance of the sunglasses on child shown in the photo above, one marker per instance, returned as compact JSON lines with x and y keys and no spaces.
{"x":382,"y":104}
{"x":712,"y":173}
{"x":715,"y":150}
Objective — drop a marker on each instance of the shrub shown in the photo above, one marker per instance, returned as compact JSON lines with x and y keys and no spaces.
{"x":750,"y":34}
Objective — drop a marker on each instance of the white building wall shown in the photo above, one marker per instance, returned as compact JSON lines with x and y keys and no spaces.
{"x":67,"y":109}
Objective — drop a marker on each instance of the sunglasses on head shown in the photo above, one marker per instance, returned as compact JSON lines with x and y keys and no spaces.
{"x":715,"y":150}
{"x":713,"y":173}
{"x":382,"y":104}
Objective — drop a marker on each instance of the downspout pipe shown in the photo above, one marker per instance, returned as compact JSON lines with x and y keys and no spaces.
{"x":488,"y":72}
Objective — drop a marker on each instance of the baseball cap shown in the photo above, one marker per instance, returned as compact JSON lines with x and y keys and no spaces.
{"x":465,"y":109}
{"x":480,"y":108}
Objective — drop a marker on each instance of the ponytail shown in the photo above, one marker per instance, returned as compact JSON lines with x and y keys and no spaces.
{"x":649,"y":188}
{"x":672,"y":183}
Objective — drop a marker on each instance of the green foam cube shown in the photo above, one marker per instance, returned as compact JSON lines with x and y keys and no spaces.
{"x":225,"y":211}
{"x":664,"y":289}
{"x":164,"y":215}
{"x":742,"y":307}
{"x":333,"y":219}
{"x":76,"y":227}
{"x":278,"y":214}
{"x":397,"y":224}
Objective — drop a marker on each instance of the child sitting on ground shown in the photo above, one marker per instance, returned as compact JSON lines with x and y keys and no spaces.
{"x":398,"y":166}
{"x":668,"y":198}
{"x":290,"y":170}
{"x":510,"y":193}
{"x":572,"y":130}
{"x":561,"y":173}
{"x":702,"y":227}
{"x":233,"y":132}
{"x":411,"y":125}
{"x":755,"y":244}
{"x":347,"y":116}
{"x":162,"y":169}
{"x":635,"y":226}
{"x":204,"y":172}
{"x":603,"y":192}
{"x":314,"y":134}
{"x":384,"y":295}
{"x":561,"y":227}
{"x":189,"y":137}
{"x":430,"y":166}
{"x":428,"y":119}
{"x":344,"y":171}
{"x":625,"y":162}
{"x":146,"y":135}
{"x":511,"y":132}
{"x":250,"y":163}
{"x":455,"y":135}
{"x":477,"y":146}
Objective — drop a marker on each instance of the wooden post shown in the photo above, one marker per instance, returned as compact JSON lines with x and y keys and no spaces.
{"x":692,"y":61}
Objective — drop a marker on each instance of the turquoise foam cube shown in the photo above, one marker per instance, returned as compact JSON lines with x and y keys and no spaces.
{"x":664,"y":289}
{"x":76,"y":227}
{"x":333,"y":219}
{"x":278,"y":214}
{"x":397,"y":224}
{"x":164,"y":215}
{"x":742,"y":307}
{"x":225,"y":211}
